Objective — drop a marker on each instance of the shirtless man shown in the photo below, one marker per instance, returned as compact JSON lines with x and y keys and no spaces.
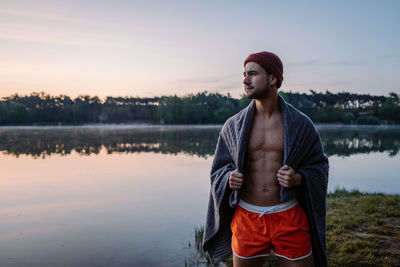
{"x":269,"y":179}
{"x":254,"y":233}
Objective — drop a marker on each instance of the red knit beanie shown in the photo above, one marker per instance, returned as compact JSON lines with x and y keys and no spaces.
{"x":270,"y":63}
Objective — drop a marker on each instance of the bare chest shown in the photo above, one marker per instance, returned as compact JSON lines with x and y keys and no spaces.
{"x":266,"y":137}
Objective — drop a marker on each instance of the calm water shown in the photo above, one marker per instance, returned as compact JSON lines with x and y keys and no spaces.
{"x":133,"y":195}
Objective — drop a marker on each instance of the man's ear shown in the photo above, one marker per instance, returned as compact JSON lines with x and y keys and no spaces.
{"x":272,"y":80}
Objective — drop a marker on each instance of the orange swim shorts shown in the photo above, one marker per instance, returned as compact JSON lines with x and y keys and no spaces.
{"x":282,"y":228}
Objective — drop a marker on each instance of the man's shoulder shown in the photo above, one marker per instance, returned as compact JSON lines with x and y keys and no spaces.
{"x":236,"y":117}
{"x":298,"y":116}
{"x":234,"y":123}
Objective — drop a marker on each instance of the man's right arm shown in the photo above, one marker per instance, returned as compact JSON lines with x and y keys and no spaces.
{"x":223,"y":165}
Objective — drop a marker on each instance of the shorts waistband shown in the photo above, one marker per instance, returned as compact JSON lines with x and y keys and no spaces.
{"x":268,"y":209}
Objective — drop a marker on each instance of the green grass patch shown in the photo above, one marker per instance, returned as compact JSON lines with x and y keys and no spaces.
{"x":363,"y":229}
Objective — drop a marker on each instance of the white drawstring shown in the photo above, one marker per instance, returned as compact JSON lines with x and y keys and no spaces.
{"x":262,"y":213}
{"x":262,"y":210}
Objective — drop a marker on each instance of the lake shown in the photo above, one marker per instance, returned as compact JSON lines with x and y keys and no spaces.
{"x":133,"y":195}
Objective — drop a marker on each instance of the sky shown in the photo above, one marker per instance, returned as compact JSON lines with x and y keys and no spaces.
{"x":153,"y":48}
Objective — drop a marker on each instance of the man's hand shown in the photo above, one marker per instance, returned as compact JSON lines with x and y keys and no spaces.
{"x":235,"y":180}
{"x":287,"y":177}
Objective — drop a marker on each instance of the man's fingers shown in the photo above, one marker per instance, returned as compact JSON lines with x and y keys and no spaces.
{"x":235,"y":182}
{"x":238,"y":184}
{"x":283,"y":172}
{"x":286,"y":173}
{"x":283,"y":183}
{"x":283,"y":176}
{"x":285,"y":168}
{"x":283,"y":179}
{"x":237,"y":174}
{"x":236,"y":179}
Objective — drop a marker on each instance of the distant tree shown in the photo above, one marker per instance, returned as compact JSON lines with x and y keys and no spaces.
{"x":348,"y":117}
{"x":244,"y":101}
{"x":18,"y":113}
{"x":367,"y":120}
{"x":390,"y":109}
{"x":3,"y":112}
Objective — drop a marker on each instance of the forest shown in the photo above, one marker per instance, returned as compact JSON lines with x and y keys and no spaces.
{"x":40,"y":108}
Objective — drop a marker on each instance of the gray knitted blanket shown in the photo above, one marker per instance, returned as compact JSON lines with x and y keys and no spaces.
{"x":303,"y":151}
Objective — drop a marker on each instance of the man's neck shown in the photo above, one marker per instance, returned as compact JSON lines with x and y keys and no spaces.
{"x":268,"y":106}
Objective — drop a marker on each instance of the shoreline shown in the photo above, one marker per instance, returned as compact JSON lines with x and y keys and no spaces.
{"x":319,"y":126}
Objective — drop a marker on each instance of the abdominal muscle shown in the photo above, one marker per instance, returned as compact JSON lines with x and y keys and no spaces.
{"x":260,"y":183}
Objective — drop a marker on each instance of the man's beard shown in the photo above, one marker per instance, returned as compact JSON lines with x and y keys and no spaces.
{"x":260,"y":94}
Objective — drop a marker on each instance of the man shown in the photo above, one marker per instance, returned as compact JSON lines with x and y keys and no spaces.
{"x":268,"y":179}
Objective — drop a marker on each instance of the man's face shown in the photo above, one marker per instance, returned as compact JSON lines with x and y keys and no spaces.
{"x":256,"y":81}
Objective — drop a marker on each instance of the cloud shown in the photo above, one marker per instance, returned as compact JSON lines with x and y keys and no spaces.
{"x":44,"y":40}
{"x":343,"y":62}
{"x":45,"y":34}
{"x":208,"y":79}
{"x":311,"y":62}
{"x":339,"y":83}
{"x":222,"y":84}
{"x":38,"y":15}
{"x":349,"y":63}
{"x":367,"y":61}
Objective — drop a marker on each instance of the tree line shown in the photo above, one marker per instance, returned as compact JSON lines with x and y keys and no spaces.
{"x":201,"y":108}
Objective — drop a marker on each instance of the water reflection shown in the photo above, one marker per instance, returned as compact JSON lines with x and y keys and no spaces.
{"x":101,"y":210}
{"x":349,"y":140}
{"x":45,"y":141}
{"x":192,"y":140}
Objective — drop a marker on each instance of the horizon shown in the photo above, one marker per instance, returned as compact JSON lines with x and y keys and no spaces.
{"x":155,"y":48}
{"x":104,"y":98}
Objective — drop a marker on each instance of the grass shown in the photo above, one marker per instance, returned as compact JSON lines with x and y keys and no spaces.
{"x":363,"y":229}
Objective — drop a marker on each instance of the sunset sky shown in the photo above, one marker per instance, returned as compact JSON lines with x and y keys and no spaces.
{"x":153,"y":48}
